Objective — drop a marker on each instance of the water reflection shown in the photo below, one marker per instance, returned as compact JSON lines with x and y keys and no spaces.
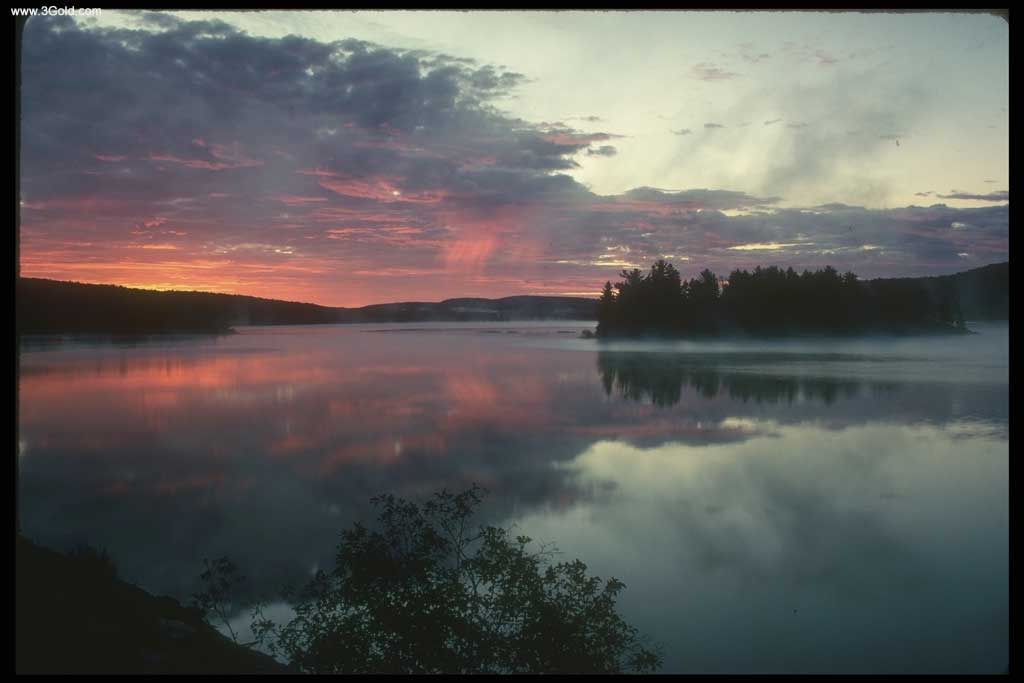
{"x":875,"y":548}
{"x":264,"y":444}
{"x":661,"y":377}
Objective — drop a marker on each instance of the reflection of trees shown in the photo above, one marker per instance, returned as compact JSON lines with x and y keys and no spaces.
{"x":661,"y":377}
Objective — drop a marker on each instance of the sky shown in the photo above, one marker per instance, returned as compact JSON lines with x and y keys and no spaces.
{"x":349,"y":158}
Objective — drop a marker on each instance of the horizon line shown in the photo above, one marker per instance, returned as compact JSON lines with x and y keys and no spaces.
{"x":595,"y":296}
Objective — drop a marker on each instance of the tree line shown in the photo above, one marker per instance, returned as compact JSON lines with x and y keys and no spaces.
{"x":56,"y":307}
{"x":772,"y":301}
{"x":50,"y":306}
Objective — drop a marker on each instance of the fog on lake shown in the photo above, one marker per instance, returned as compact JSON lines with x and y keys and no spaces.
{"x":791,"y":506}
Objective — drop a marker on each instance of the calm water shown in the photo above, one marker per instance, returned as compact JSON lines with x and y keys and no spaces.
{"x":804,"y":506}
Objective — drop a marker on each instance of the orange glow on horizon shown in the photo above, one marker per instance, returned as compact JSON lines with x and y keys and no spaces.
{"x":262,"y":282}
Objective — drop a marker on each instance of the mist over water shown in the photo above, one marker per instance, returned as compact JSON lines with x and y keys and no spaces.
{"x":808,"y":505}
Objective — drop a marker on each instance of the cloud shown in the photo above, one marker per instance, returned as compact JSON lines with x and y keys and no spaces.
{"x":1003,"y":196}
{"x":681,"y":131}
{"x":754,"y":58}
{"x":288,"y":167}
{"x":709,"y":72}
{"x":603,"y":151}
{"x":824,"y":58}
{"x":345,"y":135}
{"x":763,"y":246}
{"x":800,"y":124}
{"x":700,"y":198}
{"x":826,"y":161}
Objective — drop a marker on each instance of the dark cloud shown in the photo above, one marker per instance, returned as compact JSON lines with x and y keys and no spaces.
{"x":768,"y":123}
{"x":713,"y":125}
{"x":702,"y":198}
{"x":1003,"y":196}
{"x":709,"y":72}
{"x":603,"y":151}
{"x":681,"y":131}
{"x":836,"y":206}
{"x":871,"y":242}
{"x":487,"y":79}
{"x":199,"y":80}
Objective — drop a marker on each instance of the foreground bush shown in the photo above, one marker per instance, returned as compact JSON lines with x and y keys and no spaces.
{"x":429,"y":592}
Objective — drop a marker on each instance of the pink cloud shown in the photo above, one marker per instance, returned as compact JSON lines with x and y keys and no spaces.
{"x":227,"y":158}
{"x":379,"y":190}
{"x":292,"y":200}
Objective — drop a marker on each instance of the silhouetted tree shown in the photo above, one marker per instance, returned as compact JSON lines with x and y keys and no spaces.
{"x":606,"y":305}
{"x":704,"y":292}
{"x":221,"y":579}
{"x":770,"y":301}
{"x":430,"y":592}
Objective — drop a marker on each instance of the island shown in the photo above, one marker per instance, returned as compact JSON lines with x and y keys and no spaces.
{"x":773,"y":302}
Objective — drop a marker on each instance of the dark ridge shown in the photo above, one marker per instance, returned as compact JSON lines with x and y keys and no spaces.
{"x":474,"y":309}
{"x":56,"y":307}
{"x":51,"y":306}
{"x":981,"y":293}
{"x":73,"y":615}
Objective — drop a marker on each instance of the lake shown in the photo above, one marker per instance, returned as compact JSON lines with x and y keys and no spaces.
{"x":791,"y":506}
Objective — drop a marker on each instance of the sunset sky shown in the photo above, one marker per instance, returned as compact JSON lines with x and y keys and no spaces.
{"x":348,"y":158}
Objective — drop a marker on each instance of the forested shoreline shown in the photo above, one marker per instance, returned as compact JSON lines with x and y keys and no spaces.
{"x":768,"y":301}
{"x":775,"y":302}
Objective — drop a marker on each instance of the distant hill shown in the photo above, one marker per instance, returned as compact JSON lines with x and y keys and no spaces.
{"x":508,"y":308}
{"x":53,"y":306}
{"x":982,"y":293}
